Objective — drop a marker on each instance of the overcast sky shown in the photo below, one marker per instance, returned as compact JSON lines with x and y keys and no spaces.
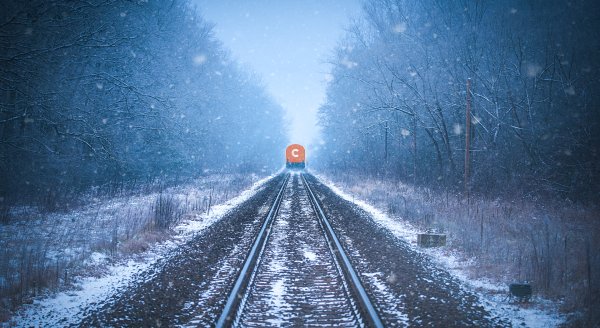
{"x":287,"y":43}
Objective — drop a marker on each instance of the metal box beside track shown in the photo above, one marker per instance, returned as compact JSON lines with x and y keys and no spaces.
{"x":431,"y":240}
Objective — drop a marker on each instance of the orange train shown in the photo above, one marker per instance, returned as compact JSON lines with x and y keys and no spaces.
{"x":295,"y":157}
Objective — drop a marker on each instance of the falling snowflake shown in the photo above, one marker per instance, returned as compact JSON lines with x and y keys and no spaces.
{"x":348,"y":63}
{"x":533,"y":69}
{"x":399,"y":28}
{"x":199,"y":59}
{"x":570,"y":91}
{"x":457,"y":129}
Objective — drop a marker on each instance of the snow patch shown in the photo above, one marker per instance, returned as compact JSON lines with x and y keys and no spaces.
{"x":97,"y":258}
{"x":311,"y":256}
{"x":277,"y":292}
{"x":375,"y":279}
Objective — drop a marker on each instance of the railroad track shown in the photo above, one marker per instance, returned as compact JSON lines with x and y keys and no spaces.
{"x":297,"y":271}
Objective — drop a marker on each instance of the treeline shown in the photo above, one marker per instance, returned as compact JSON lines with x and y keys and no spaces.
{"x":106,"y":91}
{"x":397,"y":100}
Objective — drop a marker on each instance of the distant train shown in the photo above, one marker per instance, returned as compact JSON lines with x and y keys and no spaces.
{"x":295,"y":157}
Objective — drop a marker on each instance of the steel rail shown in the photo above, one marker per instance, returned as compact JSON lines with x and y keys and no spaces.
{"x":233,"y":300}
{"x":367,"y":307}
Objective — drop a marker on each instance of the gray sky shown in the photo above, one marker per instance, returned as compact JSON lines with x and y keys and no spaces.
{"x":287,"y":44}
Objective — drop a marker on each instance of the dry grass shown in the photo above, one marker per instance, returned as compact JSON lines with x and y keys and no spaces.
{"x":552,"y":245}
{"x":41,"y":252}
{"x":4,"y":212}
{"x":142,"y":242}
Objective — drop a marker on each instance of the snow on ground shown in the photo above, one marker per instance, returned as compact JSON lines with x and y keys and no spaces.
{"x":310,"y":255}
{"x":217,"y":212}
{"x":376,"y":279}
{"x":66,"y":308}
{"x":492,"y":296}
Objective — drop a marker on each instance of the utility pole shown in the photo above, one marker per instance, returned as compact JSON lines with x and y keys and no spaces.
{"x":415,"y":148}
{"x":468,"y":139}
{"x":385,"y":155}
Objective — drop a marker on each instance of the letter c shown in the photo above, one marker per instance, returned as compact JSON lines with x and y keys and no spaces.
{"x":295,"y":152}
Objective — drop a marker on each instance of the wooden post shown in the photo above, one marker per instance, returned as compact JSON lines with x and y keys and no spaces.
{"x":385,"y":155}
{"x":415,"y":148}
{"x":468,"y":138}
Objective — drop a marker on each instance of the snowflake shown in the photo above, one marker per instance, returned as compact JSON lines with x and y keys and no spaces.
{"x":200,"y":59}
{"x":533,"y":69}
{"x":348,"y":63}
{"x":457,"y":129}
{"x":399,"y":28}
{"x":570,"y":91}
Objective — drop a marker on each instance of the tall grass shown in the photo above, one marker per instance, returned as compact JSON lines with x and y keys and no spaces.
{"x":552,"y":245}
{"x":167,"y":212}
{"x":42,"y":251}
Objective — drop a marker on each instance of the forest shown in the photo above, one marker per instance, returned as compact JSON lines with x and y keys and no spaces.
{"x":124,"y":123}
{"x":397,"y":102}
{"x":106,"y":93}
{"x":480,"y":120}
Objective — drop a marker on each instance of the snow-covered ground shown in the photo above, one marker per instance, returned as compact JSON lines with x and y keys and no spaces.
{"x":493,"y":295}
{"x":65,"y":308}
